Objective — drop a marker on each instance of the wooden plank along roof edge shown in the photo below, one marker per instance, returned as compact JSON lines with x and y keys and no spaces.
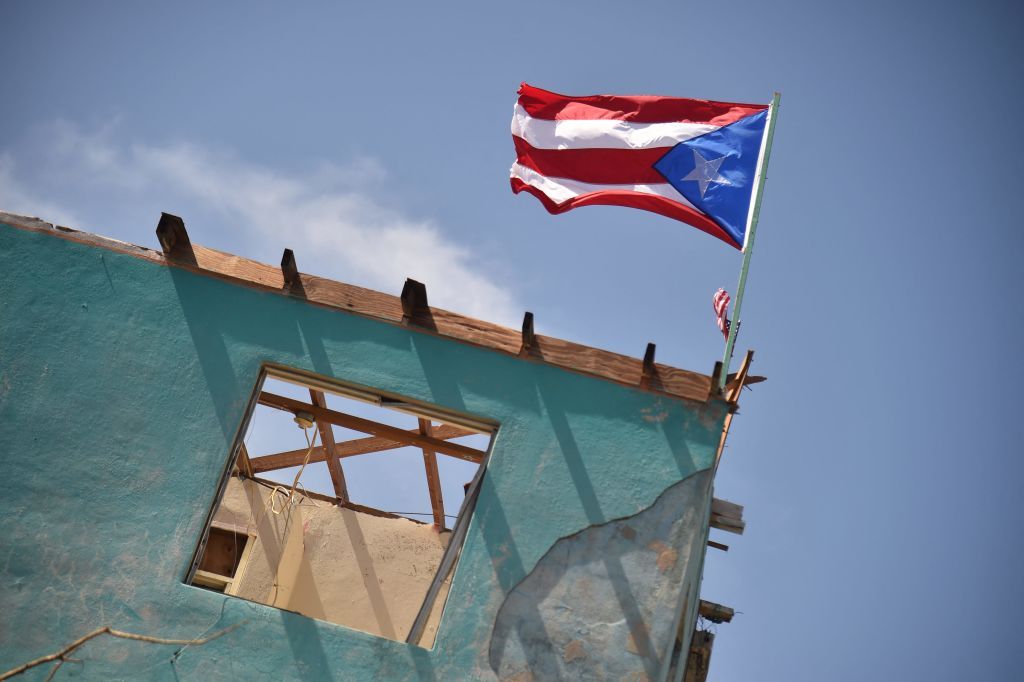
{"x":182,"y":253}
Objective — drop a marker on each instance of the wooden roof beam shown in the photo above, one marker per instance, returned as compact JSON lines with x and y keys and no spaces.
{"x":244,"y":463}
{"x":347,"y":448}
{"x":388,"y":309}
{"x":355,"y":423}
{"x":290,"y":270}
{"x":716,"y":613}
{"x":647,"y":369}
{"x":529,"y":338}
{"x":716,"y":375}
{"x":727,"y":516}
{"x":698,"y":661}
{"x":433,"y":477}
{"x":173,"y":236}
{"x":734,"y":387}
{"x":414,"y":301}
{"x":327,"y":438}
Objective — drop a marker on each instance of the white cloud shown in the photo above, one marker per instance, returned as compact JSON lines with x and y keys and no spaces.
{"x":18,"y":199}
{"x":334,"y":217}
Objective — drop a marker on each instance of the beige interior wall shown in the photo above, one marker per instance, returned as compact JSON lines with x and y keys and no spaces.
{"x":363,"y":571}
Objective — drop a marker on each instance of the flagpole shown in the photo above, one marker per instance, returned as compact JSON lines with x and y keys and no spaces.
{"x":748,"y":245}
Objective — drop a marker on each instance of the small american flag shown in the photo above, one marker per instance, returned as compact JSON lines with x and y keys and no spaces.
{"x":720,"y":301}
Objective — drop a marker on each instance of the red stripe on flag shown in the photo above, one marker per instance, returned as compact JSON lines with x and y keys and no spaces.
{"x":596,"y":166}
{"x":720,"y":302}
{"x":639,"y":109}
{"x":628,"y":198}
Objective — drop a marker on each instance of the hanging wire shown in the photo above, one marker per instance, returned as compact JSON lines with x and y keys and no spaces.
{"x":313,"y":502}
{"x":274,"y":502}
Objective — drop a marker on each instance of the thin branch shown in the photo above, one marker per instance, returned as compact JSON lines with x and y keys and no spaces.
{"x":61,"y":655}
{"x":53,"y":670}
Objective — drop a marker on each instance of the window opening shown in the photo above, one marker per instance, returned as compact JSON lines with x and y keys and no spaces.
{"x":341,"y":504}
{"x":224,"y":550}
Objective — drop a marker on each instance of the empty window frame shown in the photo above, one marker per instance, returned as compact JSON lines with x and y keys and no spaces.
{"x":346,"y":505}
{"x":226,"y":547}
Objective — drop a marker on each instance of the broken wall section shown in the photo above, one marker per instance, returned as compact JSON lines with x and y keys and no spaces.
{"x":602,"y":603}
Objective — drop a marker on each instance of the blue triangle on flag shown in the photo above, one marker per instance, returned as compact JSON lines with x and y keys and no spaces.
{"x":715,"y":172}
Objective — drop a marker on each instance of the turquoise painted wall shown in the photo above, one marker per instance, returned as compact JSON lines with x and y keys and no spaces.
{"x":122,"y":385}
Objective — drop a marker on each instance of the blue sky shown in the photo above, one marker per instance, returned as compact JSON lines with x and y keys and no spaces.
{"x":881,"y":463}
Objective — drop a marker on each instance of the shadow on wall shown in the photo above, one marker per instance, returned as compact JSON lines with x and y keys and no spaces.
{"x":614,"y":572}
{"x":598,"y":567}
{"x":214,"y":311}
{"x":528,"y":624}
{"x":608,"y":588}
{"x":370,"y":580}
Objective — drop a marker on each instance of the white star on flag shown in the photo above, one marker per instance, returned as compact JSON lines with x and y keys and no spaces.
{"x":706,"y":172}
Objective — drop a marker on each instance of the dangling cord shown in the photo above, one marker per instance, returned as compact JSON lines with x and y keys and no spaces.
{"x":277,"y":491}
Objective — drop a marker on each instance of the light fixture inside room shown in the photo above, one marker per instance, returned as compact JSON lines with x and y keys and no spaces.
{"x":304,"y":420}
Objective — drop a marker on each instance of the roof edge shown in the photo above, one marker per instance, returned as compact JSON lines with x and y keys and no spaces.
{"x":603,"y":364}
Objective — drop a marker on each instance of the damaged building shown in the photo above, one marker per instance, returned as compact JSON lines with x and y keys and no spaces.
{"x":189,"y":441}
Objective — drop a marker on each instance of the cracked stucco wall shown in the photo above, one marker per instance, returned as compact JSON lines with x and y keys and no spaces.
{"x":597,"y":606}
{"x":122,"y":385}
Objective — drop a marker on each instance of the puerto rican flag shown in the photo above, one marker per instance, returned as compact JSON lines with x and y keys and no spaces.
{"x":689,"y":159}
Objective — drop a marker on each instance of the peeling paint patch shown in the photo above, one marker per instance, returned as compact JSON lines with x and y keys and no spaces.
{"x":612,"y":588}
{"x":574,"y":651}
{"x":667,"y":556}
{"x":649,"y":415}
{"x":635,"y":677}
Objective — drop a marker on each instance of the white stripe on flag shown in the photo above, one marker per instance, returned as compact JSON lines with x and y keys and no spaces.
{"x":603,"y":133}
{"x":720,"y":302}
{"x":562,"y":189}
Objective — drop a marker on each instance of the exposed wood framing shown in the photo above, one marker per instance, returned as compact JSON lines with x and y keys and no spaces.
{"x":367,"y":426}
{"x":327,"y":438}
{"x":647,"y":369}
{"x":212,"y":580}
{"x":735,"y":387}
{"x":433,"y":477}
{"x":748,"y":381}
{"x":363,"y":509}
{"x":716,"y":613}
{"x":414,"y":301}
{"x":716,"y":375}
{"x":388,"y":308}
{"x":529,"y":338}
{"x":727,"y":516}
{"x":347,"y":448}
{"x":173,"y":237}
{"x":718,"y":545}
{"x":732,"y":392}
{"x":244,"y":463}
{"x":289,"y":270}
{"x":699,"y":660}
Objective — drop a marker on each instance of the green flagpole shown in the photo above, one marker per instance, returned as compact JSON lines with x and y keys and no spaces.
{"x":748,"y":246}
